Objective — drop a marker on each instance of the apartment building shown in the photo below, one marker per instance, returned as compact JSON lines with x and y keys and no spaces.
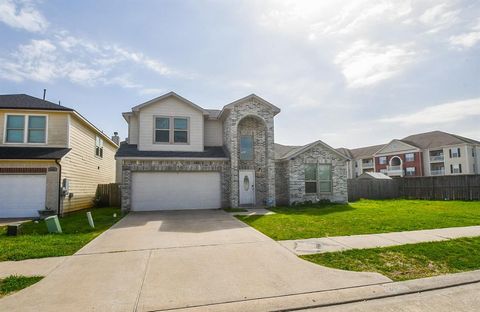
{"x":425,"y":154}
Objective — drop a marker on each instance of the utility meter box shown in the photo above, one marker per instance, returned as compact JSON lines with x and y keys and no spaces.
{"x":53,"y":225}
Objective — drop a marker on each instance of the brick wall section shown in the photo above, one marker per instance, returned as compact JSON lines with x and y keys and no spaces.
{"x":417,"y":163}
{"x":317,"y":154}
{"x":251,"y":107}
{"x":281,"y":183}
{"x":130,"y":166}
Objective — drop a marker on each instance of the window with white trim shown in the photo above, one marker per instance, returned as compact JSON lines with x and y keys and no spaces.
{"x":98,"y":146}
{"x":410,"y":171}
{"x":171,"y":130}
{"x":410,"y":157}
{"x":457,"y":168}
{"x":26,"y":129}
{"x":325,"y":178}
{"x":455,"y":152}
{"x":382,"y":160}
{"x":310,"y":178}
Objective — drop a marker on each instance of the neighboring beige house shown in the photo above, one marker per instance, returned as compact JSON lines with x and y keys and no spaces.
{"x":50,"y":158}
{"x":425,"y":154}
{"x":179,"y":155}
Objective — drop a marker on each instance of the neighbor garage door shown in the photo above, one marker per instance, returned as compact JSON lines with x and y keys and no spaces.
{"x":22,"y":195}
{"x":175,"y":190}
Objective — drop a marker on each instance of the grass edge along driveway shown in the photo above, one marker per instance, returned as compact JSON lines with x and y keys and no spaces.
{"x":363,"y":217}
{"x":36,"y":242}
{"x":14,"y":283}
{"x":407,"y":261}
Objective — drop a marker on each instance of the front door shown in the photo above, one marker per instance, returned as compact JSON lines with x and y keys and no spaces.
{"x":246,"y":184}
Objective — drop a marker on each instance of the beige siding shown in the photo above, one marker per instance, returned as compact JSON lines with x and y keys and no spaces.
{"x":170,"y":107}
{"x":51,"y":198}
{"x":213,"y":133}
{"x":57,"y":133}
{"x":83,"y":169}
{"x":133,"y":130}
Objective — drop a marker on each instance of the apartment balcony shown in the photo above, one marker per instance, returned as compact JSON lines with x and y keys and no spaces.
{"x":367,"y":164}
{"x":437,"y":158}
{"x":437,"y":172}
{"x":395,"y":171}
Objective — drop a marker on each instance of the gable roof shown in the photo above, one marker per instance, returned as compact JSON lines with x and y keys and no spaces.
{"x":249,"y":97}
{"x":345,"y":151}
{"x":435,"y":139}
{"x":366,"y":152}
{"x":167,"y":95}
{"x":410,"y":146}
{"x":24,"y":101}
{"x":287,"y":152}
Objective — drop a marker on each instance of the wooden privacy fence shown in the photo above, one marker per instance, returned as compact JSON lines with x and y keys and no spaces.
{"x":108,"y":195}
{"x":461,"y":187}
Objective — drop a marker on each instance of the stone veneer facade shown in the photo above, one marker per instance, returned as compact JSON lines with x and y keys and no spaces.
{"x":259,"y":122}
{"x":291,"y":176}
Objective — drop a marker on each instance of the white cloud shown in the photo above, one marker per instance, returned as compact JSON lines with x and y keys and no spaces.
{"x":467,"y":39}
{"x":440,"y":17}
{"x":439,"y":114}
{"x":365,"y":63}
{"x":22,"y":15}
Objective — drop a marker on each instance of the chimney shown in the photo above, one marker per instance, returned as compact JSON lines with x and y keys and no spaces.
{"x":116,"y":138}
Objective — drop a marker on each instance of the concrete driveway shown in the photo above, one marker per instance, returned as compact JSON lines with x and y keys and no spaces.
{"x":172,"y":260}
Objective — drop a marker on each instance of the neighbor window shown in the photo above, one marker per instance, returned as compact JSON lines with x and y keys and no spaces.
{"x":456,"y":168}
{"x":26,"y":129}
{"x":310,"y":178}
{"x":98,"y":147}
{"x":325,"y":178}
{"x":171,"y":130}
{"x":410,"y":157}
{"x":246,"y":147}
{"x":455,"y":152}
{"x":410,"y":171}
{"x":382,"y":160}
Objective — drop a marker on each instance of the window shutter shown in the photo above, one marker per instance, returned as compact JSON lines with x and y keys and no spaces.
{"x":460,"y":168}
{"x":458,"y":151}
{"x":450,"y":152}
{"x":451,"y":168}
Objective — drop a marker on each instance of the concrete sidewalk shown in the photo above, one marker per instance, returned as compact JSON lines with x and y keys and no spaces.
{"x":30,"y":267}
{"x":340,"y":243}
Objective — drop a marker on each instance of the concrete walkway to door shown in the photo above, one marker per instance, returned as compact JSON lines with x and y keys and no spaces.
{"x":170,"y":260}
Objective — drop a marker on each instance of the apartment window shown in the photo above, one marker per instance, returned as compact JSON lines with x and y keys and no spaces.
{"x":455,"y":152}
{"x":456,"y":168}
{"x":473,"y":152}
{"x":382,"y":160}
{"x":180,"y":131}
{"x":246,"y":147}
{"x":356,"y":164}
{"x":325,"y":178}
{"x":410,"y":171}
{"x":98,"y":147}
{"x":26,"y":129}
{"x":162,"y":130}
{"x":310,"y":178}
{"x":410,"y":157}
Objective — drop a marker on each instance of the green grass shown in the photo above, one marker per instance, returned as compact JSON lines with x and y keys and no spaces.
{"x":235,"y":210}
{"x":364,"y":217}
{"x":35,"y":242}
{"x":15,"y":283}
{"x":407,"y":261}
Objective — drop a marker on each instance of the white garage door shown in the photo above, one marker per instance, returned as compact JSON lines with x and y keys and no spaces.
{"x":22,"y":195}
{"x":175,"y":190}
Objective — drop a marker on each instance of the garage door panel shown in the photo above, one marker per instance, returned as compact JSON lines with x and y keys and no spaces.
{"x":22,"y":195}
{"x":175,"y":190}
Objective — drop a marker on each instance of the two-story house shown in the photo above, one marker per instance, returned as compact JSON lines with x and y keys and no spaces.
{"x":179,"y":155}
{"x":51,"y":158}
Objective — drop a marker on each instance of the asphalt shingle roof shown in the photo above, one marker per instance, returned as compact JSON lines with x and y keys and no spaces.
{"x":131,"y":150}
{"x":24,"y":101}
{"x":14,"y":152}
{"x":435,"y":139}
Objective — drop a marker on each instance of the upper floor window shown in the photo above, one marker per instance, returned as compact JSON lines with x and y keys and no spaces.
{"x":98,"y":147}
{"x":26,"y":129}
{"x":246,"y":147}
{"x":410,"y":157}
{"x":382,"y":160}
{"x":455,"y":152}
{"x":171,"y":130}
{"x":456,"y":168}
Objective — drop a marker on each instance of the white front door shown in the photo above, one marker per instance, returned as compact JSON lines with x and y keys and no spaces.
{"x":246,"y":184}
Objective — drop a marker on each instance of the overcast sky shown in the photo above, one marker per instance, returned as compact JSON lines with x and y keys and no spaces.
{"x":351,"y":73}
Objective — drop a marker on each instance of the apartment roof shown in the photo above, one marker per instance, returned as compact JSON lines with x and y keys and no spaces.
{"x":24,"y":101}
{"x":11,"y":152}
{"x":435,"y":139}
{"x":131,"y":150}
{"x":365,"y":152}
{"x":345,"y":151}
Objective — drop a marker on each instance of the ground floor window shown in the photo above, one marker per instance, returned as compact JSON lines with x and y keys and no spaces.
{"x":318,"y":178}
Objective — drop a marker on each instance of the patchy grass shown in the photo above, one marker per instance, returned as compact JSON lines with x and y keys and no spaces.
{"x":36,"y":242}
{"x":15,"y":283}
{"x":364,"y":217}
{"x":407,"y":261}
{"x":235,"y":209}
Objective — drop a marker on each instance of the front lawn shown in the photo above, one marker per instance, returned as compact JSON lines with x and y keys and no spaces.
{"x":35,"y":242}
{"x":15,"y":283}
{"x":408,"y":261}
{"x":364,"y":217}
